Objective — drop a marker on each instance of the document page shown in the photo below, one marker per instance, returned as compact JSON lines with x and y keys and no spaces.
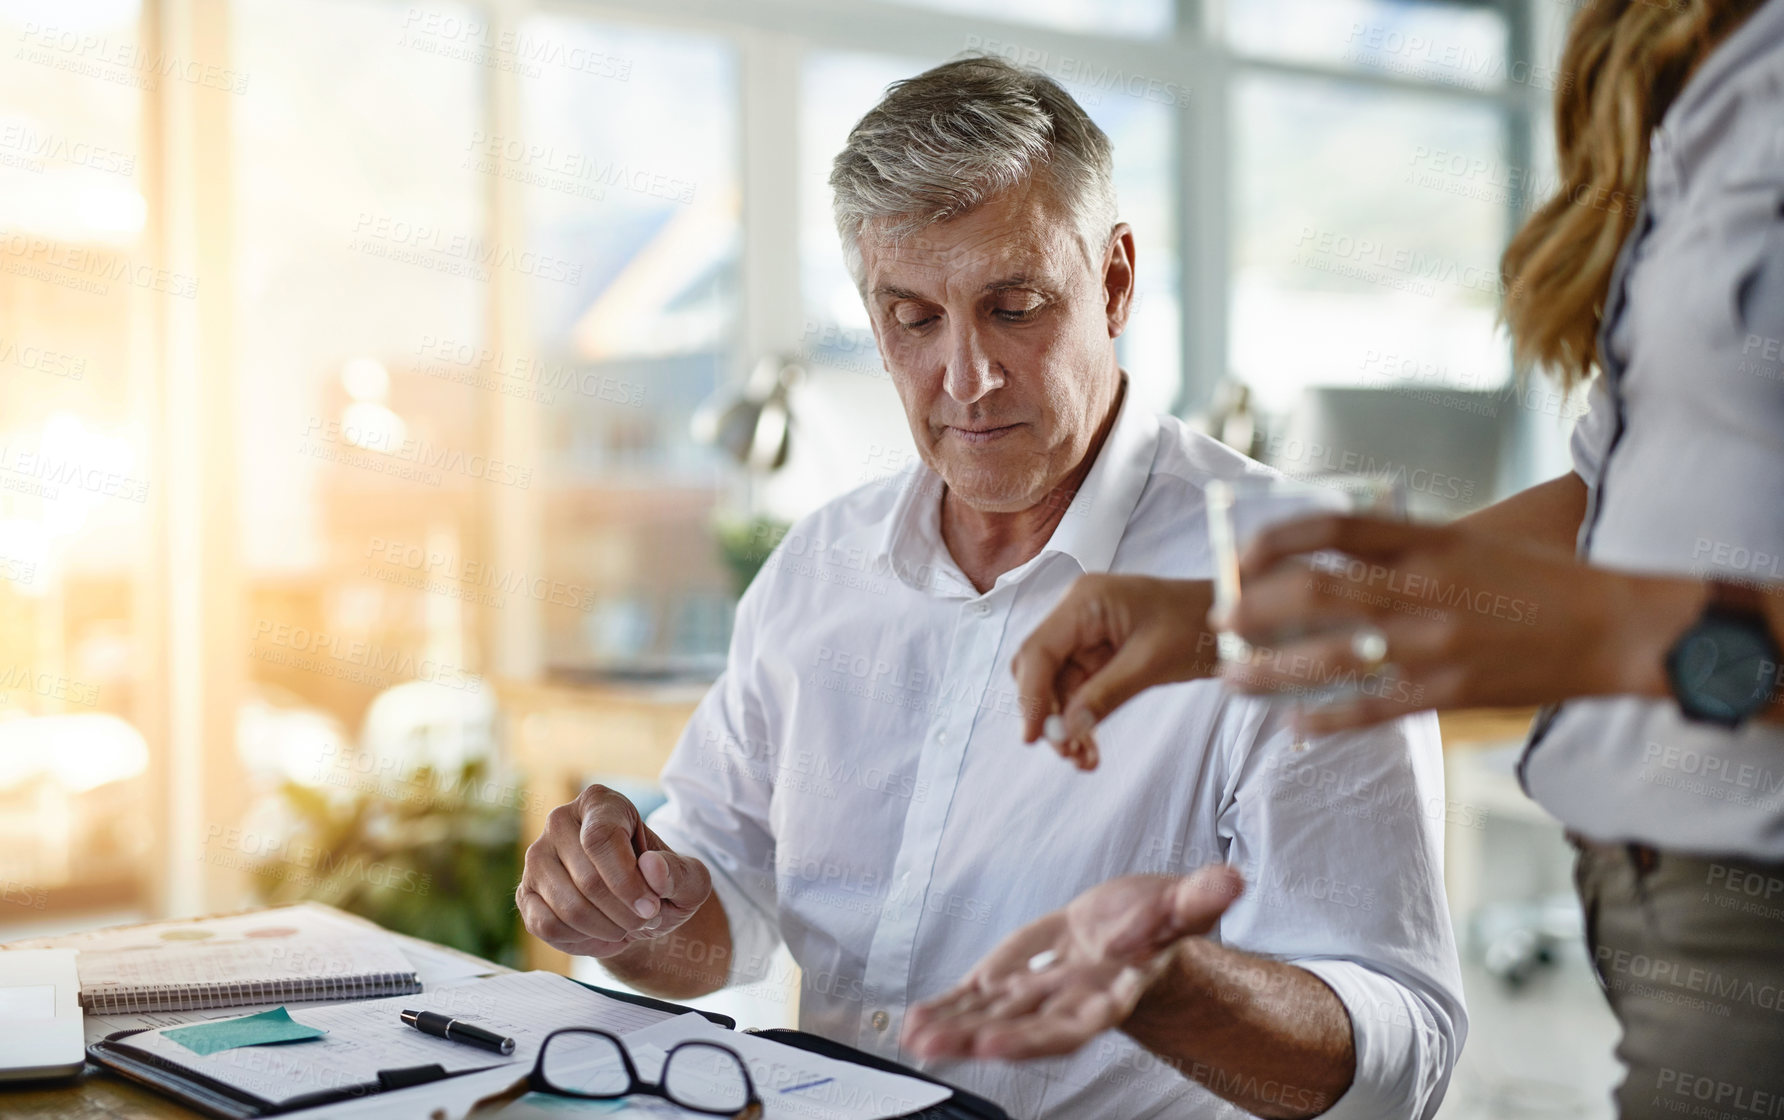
{"x":793,"y":1084}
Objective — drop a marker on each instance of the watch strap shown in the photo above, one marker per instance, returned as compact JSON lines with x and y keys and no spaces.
{"x":1744,"y":599}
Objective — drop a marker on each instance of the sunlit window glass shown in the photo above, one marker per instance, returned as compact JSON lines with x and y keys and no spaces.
{"x":1445,"y":43}
{"x":78,"y":284}
{"x":1367,"y":232}
{"x":628,"y":173}
{"x":1099,"y":17}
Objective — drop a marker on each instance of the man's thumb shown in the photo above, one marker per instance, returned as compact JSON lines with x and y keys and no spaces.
{"x":1189,"y":906}
{"x":667,"y":873}
{"x":1199,"y":899}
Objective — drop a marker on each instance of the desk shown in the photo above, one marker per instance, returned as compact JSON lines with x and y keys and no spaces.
{"x":99,"y":1093}
{"x":1476,"y":727}
{"x":94,"y":1094}
{"x":565,"y":735}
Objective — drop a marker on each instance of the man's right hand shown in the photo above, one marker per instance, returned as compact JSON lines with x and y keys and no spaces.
{"x":1064,"y":978}
{"x":1109,"y":639}
{"x":598,"y":881}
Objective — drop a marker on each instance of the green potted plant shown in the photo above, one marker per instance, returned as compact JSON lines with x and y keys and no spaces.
{"x":429,"y":855}
{"x":745,"y":544}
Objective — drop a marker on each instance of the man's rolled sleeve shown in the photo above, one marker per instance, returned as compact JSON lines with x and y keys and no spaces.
{"x":719,"y":783}
{"x":1341,"y":845}
{"x":1403,"y":1058}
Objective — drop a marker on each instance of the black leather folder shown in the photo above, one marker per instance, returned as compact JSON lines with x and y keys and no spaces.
{"x":214,"y":1098}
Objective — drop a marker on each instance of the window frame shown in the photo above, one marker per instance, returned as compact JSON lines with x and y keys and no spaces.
{"x":772,"y":36}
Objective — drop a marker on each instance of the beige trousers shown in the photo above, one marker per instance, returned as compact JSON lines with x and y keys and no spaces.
{"x":1690,"y":952}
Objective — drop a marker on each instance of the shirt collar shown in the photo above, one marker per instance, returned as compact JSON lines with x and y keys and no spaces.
{"x":1754,"y":39}
{"x":1094,"y":523}
{"x":1089,"y":532}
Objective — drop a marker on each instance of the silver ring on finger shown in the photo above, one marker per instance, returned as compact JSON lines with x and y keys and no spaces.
{"x":1369,"y":645}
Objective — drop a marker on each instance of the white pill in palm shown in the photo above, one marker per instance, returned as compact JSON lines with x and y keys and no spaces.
{"x":1054,"y":729}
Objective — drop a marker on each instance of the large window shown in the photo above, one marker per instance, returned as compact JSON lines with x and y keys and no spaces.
{"x":474,"y":267}
{"x":77,"y":281}
{"x":377,"y":373}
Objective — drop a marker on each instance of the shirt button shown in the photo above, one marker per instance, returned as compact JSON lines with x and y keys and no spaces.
{"x":941,"y":737}
{"x":981,"y":609}
{"x":881,"y":1020}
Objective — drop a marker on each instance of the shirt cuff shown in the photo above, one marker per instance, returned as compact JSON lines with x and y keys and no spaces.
{"x":754,"y":935}
{"x":1402,"y":1062}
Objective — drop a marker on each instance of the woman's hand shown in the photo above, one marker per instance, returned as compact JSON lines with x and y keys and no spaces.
{"x":1110,"y":638}
{"x":1061,"y":980}
{"x":1470,"y":619}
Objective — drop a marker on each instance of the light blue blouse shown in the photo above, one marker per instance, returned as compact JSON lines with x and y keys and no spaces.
{"x":1683,"y":454}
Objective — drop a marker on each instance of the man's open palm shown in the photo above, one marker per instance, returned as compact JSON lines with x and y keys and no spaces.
{"x":1061,"y":980}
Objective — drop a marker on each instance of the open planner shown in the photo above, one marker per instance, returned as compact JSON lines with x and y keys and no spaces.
{"x":367,"y":1052}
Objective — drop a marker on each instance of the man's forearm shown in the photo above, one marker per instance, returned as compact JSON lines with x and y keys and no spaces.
{"x":691,"y":961}
{"x":1268,"y":1036}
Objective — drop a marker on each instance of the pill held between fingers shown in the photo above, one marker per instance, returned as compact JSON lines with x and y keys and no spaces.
{"x":1054,"y":729}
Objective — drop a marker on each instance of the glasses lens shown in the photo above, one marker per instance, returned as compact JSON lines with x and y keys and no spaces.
{"x":591,"y":1064}
{"x":702,"y":1075}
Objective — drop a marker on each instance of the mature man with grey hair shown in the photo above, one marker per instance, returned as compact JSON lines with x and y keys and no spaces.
{"x":854,"y":787}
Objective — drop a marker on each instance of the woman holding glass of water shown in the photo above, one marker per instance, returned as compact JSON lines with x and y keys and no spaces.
{"x":1639,"y":598}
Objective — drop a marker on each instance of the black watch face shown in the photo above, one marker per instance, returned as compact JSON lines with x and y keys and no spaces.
{"x":1725,"y":668}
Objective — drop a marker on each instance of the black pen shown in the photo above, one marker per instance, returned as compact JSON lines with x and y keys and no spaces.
{"x":457,"y":1030}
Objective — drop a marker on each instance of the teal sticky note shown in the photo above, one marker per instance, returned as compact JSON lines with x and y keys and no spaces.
{"x":267,"y":1027}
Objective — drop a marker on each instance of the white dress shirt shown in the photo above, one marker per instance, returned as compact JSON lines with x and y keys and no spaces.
{"x":857,"y":785}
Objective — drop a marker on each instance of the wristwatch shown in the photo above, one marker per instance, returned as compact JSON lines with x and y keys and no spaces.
{"x":1724,"y":668}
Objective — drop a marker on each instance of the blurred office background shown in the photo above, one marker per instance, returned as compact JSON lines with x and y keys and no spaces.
{"x":352,"y":509}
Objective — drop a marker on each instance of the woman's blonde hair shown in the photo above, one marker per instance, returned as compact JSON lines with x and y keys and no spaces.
{"x":1624,"y":62}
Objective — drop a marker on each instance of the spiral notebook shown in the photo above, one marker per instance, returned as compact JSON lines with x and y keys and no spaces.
{"x":289,"y":953}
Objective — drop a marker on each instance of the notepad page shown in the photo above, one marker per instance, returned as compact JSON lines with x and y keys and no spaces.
{"x":229,"y":961}
{"x":368,"y":1036}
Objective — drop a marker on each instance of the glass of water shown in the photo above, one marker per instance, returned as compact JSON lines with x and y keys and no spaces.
{"x":1239,"y":509}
